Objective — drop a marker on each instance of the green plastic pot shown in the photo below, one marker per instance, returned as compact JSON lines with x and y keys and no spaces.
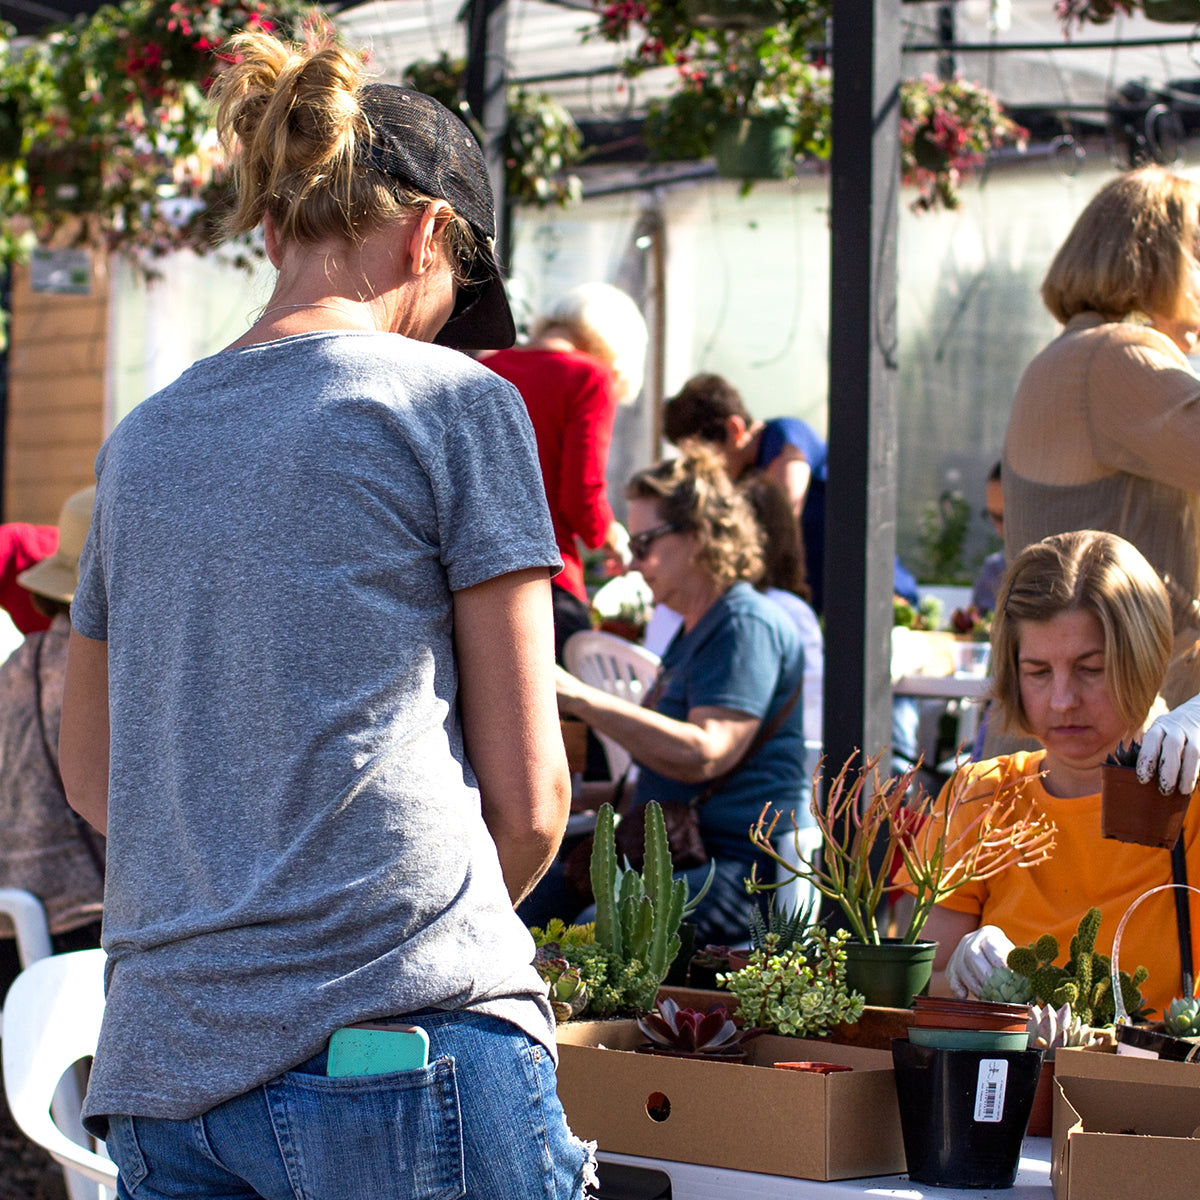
{"x":1173,"y":12}
{"x":758,"y":147}
{"x":736,"y":15}
{"x":891,"y":973}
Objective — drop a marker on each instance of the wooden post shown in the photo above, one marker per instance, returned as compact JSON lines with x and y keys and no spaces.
{"x":487,"y":87}
{"x":860,"y":538}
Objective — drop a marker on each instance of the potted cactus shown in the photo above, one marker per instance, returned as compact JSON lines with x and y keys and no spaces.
{"x":688,"y":1033}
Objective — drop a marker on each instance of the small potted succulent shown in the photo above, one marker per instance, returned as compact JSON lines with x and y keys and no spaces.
{"x":798,"y":992}
{"x":1050,"y":1028}
{"x":688,"y":1033}
{"x":1133,"y":811}
{"x":1176,"y":1037}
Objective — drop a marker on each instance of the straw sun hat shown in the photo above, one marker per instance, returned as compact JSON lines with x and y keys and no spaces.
{"x":57,"y":575}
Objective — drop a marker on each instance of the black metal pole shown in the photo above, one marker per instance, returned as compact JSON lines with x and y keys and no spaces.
{"x":487,"y":86}
{"x":860,"y":538}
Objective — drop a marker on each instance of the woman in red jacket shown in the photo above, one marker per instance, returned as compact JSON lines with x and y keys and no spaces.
{"x":585,"y":357}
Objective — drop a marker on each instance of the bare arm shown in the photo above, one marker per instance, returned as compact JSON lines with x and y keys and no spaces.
{"x":790,"y":470}
{"x":83,"y":737}
{"x":947,"y":928}
{"x":504,"y":642}
{"x":704,"y":746}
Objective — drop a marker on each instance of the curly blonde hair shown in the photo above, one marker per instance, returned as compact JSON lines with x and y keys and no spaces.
{"x":289,"y":117}
{"x":694,"y":493}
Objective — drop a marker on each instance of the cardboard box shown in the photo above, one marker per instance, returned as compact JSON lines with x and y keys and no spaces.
{"x":742,"y":1117}
{"x":1125,"y":1128}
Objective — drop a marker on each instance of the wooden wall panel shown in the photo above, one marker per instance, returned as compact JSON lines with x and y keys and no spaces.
{"x":56,"y":395}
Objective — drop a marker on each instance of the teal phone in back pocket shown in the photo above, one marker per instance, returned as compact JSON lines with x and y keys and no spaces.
{"x":377,"y":1047}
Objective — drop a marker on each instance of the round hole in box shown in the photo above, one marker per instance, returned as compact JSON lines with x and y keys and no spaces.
{"x":658,"y":1106}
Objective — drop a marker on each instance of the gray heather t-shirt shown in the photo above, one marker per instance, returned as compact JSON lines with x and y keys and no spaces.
{"x":295,"y":838}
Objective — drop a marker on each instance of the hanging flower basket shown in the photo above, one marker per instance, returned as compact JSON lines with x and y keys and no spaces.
{"x":758,"y":147}
{"x":734,"y":15}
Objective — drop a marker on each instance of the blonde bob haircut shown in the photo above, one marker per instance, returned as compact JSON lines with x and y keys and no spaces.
{"x":289,"y":118}
{"x":1129,"y":251}
{"x":694,"y":493}
{"x":1091,"y":572}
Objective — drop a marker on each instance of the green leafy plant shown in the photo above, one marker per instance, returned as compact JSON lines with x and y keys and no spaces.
{"x":688,"y":1031}
{"x":800,"y":991}
{"x":866,"y":812}
{"x":924,"y":615}
{"x":1085,"y":983}
{"x":943,"y":532}
{"x":541,"y":140}
{"x":638,"y":913}
{"x":565,"y":984}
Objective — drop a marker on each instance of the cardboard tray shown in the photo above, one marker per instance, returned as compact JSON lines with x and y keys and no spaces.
{"x":1125,"y":1127}
{"x":740,"y":1117}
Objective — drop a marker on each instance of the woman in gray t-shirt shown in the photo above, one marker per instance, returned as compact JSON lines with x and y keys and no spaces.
{"x":310,"y":690}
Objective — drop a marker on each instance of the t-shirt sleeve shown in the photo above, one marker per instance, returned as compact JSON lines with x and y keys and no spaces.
{"x":89,"y":607}
{"x":736,"y":668}
{"x":491,"y":507}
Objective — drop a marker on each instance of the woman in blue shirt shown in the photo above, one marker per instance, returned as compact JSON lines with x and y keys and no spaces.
{"x":736,"y":662}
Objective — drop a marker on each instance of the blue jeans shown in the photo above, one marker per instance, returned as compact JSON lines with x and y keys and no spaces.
{"x":482,"y":1121}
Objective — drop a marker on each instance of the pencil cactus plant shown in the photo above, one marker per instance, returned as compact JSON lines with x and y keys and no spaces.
{"x":1085,"y":982}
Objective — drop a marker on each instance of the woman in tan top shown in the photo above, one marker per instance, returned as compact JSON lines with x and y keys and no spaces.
{"x":1105,"y":428}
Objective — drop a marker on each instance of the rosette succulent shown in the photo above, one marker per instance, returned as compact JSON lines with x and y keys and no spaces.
{"x":689,"y":1031}
{"x":1182,"y":1018}
{"x":1006,"y":986}
{"x":1050,"y":1028}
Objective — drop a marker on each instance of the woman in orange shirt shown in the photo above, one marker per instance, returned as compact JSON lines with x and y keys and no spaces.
{"x":1080,"y":644}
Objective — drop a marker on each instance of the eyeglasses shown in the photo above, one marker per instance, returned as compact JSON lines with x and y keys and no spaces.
{"x":989,"y":514}
{"x":640,"y":543}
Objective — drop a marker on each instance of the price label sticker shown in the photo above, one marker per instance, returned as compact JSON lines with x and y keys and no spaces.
{"x":989,"y":1090}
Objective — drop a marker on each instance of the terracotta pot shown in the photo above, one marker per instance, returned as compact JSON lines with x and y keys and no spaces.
{"x":814,"y":1068}
{"x":1041,"y":1116}
{"x":941,"y":1012}
{"x":1132,"y":811}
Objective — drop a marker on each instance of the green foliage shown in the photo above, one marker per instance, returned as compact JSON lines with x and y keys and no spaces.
{"x":563,"y":934}
{"x":106,"y":120}
{"x":1085,"y":983}
{"x":943,"y":528}
{"x":927,"y":613}
{"x":789,"y":927}
{"x":638,"y":914}
{"x":541,"y":140}
{"x":565,"y":984}
{"x":800,"y":992}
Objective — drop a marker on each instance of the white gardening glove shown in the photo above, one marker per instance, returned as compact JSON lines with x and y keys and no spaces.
{"x":1172,"y":747}
{"x":975,"y":958}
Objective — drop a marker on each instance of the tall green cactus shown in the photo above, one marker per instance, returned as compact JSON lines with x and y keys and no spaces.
{"x":638,"y":914}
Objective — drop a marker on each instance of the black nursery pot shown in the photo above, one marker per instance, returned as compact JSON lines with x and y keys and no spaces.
{"x":963,"y":1113}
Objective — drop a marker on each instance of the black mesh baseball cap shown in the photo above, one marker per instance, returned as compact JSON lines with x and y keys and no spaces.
{"x":420,"y":142}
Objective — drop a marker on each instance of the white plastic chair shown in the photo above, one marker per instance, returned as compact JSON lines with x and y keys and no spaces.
{"x":615,"y":666}
{"x":52,"y":1018}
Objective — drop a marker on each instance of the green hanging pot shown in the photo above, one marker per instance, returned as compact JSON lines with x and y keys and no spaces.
{"x":1173,"y":12}
{"x":889,"y":974}
{"x":734,"y":15}
{"x":758,"y":147}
